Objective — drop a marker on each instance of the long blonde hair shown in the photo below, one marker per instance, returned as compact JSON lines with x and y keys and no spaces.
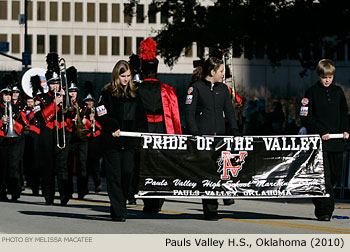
{"x":115,"y":87}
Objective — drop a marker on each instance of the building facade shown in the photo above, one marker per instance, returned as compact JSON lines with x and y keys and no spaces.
{"x":94,"y":35}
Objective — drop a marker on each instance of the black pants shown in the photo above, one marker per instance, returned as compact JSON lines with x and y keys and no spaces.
{"x":53,"y":162}
{"x":31,"y":160}
{"x":78,"y":151}
{"x":10,"y":167}
{"x":332,"y":162}
{"x":119,"y":168}
{"x":93,"y":159}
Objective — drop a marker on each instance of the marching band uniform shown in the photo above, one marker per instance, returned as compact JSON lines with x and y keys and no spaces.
{"x":160,"y":103}
{"x":78,"y":147}
{"x":10,"y":174}
{"x":31,"y":147}
{"x":94,"y":148}
{"x":55,"y":162}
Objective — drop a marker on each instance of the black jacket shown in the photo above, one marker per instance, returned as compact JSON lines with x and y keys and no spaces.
{"x":324,"y":110}
{"x":207,"y":107}
{"x":126,"y":114}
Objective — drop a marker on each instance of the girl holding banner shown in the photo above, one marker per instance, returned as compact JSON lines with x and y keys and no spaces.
{"x":119,"y":109}
{"x":208,"y":99}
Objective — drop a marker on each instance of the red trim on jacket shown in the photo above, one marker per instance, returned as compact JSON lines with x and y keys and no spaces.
{"x":34,"y":129}
{"x":170,"y":109}
{"x":155,"y":118}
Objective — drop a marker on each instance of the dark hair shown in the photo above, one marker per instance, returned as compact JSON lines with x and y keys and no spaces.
{"x":200,"y":72}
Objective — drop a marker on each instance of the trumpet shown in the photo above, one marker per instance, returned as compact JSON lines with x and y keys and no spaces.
{"x":80,"y":129}
{"x":9,"y":126}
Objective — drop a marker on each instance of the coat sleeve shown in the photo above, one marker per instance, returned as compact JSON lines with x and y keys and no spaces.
{"x":104,"y":112}
{"x":190,"y":109}
{"x":344,"y":122}
{"x":141,"y":124}
{"x":307,"y":117}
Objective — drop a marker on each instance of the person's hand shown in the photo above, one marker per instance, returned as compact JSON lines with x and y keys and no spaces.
{"x":92,"y":117}
{"x":84,"y":120}
{"x":58,"y":99}
{"x":5,"y":119}
{"x":62,"y":92}
{"x":116,"y":133}
{"x":346,"y":135}
{"x":326,"y":137}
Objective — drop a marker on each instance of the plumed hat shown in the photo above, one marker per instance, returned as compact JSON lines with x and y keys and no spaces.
{"x":36,"y":85}
{"x":72,"y":79}
{"x":6,"y":83}
{"x":53,"y":70}
{"x":149,"y":62}
{"x":89,"y":91}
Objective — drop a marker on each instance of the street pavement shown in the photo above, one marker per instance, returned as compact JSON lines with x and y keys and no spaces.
{"x":30,"y":215}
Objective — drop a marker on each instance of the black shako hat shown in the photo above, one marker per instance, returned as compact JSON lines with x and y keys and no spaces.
{"x":53,"y":73}
{"x":72,"y":79}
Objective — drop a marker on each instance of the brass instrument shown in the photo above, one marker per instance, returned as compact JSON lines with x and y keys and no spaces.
{"x":59,"y":145}
{"x":93,"y":122}
{"x":9,"y":126}
{"x":80,"y":129}
{"x":62,"y":65}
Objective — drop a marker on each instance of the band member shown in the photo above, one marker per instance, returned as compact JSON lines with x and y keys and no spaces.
{"x":160,"y":103}
{"x":54,"y":134}
{"x":94,"y":146}
{"x":78,"y":147}
{"x":31,"y":134}
{"x":207,"y":100}
{"x":12,"y":121}
{"x":119,"y":109}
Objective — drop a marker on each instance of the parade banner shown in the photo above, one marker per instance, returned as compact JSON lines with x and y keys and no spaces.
{"x":177,"y":166}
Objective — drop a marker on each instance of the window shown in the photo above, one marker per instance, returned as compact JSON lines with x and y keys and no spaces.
{"x":78,"y":45}
{"x":140,"y":16}
{"x":127,"y":46}
{"x":3,"y":38}
{"x":138,"y":42}
{"x":115,"y":13}
{"x":91,"y":12}
{"x":103,"y":12}
{"x":103,"y":45}
{"x":53,"y":43}
{"x":90,"y":45}
{"x":30,"y":10}
{"x":164,"y":16}
{"x":65,"y":44}
{"x":53,"y":11}
{"x":65,"y":11}
{"x":78,"y":12}
{"x":188,"y":51}
{"x":115,"y":46}
{"x":152,"y":16}
{"x":127,"y":16}
{"x":41,"y":11}
{"x":15,"y":43}
{"x":15,"y":10}
{"x":40,"y":44}
{"x":3,"y":9}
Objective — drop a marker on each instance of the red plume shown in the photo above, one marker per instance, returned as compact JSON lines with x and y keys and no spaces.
{"x":148,"y":49}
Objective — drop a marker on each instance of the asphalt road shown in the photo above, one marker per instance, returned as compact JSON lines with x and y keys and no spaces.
{"x":29,"y":215}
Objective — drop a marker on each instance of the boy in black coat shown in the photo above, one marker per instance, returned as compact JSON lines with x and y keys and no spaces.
{"x":324,"y":111}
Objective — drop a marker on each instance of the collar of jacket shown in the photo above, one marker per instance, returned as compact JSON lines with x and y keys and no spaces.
{"x":150,"y":80}
{"x":319,"y":84}
{"x":208,"y":83}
